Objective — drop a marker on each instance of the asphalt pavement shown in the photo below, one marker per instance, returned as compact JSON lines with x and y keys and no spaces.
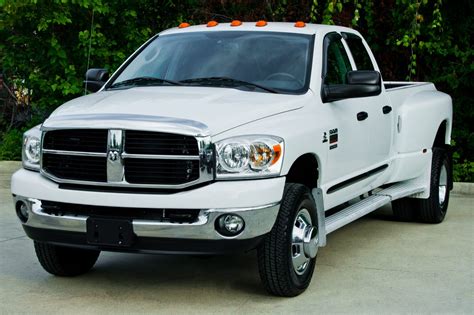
{"x":373,"y":265}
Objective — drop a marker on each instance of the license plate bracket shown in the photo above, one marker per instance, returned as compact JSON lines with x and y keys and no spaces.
{"x":110,"y":232}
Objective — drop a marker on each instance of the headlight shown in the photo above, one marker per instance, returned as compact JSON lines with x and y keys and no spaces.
{"x":32,"y":149}
{"x":249,"y":156}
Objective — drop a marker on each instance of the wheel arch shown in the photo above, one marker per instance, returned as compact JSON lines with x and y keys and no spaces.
{"x":442,"y":137}
{"x":305,"y":170}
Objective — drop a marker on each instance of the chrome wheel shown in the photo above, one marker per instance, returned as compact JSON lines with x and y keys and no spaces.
{"x":304,"y":241}
{"x":443,"y":185}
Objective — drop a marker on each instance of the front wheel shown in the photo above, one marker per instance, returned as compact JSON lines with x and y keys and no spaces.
{"x":65,"y":261}
{"x":287,"y":256}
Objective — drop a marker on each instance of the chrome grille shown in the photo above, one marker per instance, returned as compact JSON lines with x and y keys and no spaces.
{"x":126,"y":158}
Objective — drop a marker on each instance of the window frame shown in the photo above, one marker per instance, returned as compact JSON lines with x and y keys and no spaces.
{"x":346,"y":36}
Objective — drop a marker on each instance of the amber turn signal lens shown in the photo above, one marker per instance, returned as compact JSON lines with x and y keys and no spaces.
{"x":277,"y":151}
{"x":261,"y":23}
{"x":212,"y":23}
{"x":183,"y":25}
{"x":300,"y":24}
{"x":235,"y":23}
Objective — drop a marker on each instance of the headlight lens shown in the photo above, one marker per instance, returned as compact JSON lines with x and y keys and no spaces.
{"x":32,"y":149}
{"x":250,"y":156}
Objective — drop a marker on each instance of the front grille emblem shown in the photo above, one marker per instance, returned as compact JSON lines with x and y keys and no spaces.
{"x":113,"y":156}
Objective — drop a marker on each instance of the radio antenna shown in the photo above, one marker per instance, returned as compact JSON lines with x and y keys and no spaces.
{"x":89,"y":51}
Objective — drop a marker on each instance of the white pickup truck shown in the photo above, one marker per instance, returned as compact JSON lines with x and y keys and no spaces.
{"x":234,"y":136}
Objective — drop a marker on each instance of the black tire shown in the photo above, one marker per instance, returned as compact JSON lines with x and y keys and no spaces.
{"x":431,"y":210}
{"x":405,"y":209}
{"x":428,"y":210}
{"x":275,"y":253}
{"x":65,"y":261}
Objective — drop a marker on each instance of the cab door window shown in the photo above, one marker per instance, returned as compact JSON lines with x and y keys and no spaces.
{"x":359,"y":52}
{"x":338,"y":63}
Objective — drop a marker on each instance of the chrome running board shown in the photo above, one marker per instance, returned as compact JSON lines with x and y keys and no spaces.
{"x":363,"y":207}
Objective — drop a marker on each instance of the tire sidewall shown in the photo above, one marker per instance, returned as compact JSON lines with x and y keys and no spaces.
{"x":440,"y":159}
{"x":305,"y":201}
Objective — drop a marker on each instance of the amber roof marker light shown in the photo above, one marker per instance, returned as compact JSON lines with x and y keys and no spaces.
{"x":300,"y":24}
{"x":212,"y":23}
{"x":235,"y":23}
{"x":261,"y":23}
{"x":183,"y":25}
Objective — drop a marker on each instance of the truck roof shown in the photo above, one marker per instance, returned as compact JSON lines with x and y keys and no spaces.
{"x":286,"y":27}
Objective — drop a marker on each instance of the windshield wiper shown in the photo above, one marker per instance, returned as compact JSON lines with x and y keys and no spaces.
{"x":225,"y":81}
{"x":143,"y":81}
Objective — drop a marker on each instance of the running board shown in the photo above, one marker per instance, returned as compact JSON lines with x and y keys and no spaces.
{"x":370,"y":204}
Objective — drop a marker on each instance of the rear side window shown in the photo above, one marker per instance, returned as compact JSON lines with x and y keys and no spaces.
{"x":359,"y":53}
{"x":337,"y":63}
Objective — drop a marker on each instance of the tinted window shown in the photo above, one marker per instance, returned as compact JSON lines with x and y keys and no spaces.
{"x":337,"y":63}
{"x":276,"y":60}
{"x":359,"y":53}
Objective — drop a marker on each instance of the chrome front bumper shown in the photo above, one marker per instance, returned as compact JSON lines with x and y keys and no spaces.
{"x":258,"y":221}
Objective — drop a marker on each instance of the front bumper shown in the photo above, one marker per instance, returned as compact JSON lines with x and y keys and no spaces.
{"x":213,"y":200}
{"x":258,"y":221}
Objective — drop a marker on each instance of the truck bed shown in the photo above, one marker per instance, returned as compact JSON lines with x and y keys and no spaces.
{"x":399,"y":91}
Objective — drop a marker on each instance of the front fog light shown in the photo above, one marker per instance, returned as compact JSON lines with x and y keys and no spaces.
{"x":230,"y":224}
{"x":22,"y":211}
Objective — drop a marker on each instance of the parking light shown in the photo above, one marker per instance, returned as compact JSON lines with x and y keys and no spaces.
{"x":235,"y":23}
{"x":300,"y":24}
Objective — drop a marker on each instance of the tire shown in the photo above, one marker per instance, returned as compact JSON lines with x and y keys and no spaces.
{"x":405,"y":209}
{"x":65,"y":261}
{"x":433,"y":209}
{"x":429,"y":210}
{"x":276,"y":254}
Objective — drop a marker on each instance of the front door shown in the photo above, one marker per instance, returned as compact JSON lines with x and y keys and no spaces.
{"x":348,"y":139}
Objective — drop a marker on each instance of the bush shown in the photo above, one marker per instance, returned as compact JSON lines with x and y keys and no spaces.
{"x":10,"y":145}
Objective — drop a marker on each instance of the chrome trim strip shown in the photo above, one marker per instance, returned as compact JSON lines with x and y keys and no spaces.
{"x":258,"y":221}
{"x":75,"y":153}
{"x":126,"y":155}
{"x":115,"y":165}
{"x":117,"y":184}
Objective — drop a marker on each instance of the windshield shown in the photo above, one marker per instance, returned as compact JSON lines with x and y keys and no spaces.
{"x":267,"y":61}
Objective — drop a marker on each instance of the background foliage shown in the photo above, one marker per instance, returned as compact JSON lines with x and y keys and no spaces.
{"x":44,"y":48}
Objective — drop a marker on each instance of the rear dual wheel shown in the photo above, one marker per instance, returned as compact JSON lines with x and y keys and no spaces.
{"x":433,"y":209}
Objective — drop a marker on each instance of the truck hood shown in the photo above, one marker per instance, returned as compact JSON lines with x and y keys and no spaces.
{"x":210,"y":108}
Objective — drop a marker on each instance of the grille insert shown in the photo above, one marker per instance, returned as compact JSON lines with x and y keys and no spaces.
{"x":145,"y":142}
{"x":85,"y":140}
{"x":86,"y":168}
{"x":174,"y":172}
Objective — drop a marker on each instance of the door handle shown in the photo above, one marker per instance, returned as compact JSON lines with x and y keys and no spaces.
{"x":386,"y":109}
{"x":362,"y":116}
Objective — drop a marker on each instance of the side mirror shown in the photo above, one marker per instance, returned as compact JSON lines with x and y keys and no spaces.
{"x":360,"y":83}
{"x":95,"y":79}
